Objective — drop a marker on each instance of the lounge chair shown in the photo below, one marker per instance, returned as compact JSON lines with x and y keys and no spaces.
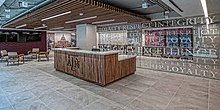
{"x":34,"y":52}
{"x":4,"y":55}
{"x":13,"y":57}
{"x":43,"y":55}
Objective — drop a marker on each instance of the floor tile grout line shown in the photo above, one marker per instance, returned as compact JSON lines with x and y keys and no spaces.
{"x":7,"y":99}
{"x":133,"y":99}
{"x":39,"y":98}
{"x":89,"y":104}
{"x":142,"y":93}
{"x":54,"y":91}
{"x":34,"y":95}
{"x":5,"y":93}
{"x":70,"y":85}
{"x":98,"y":96}
{"x":183,"y":81}
{"x":138,"y":96}
{"x":209,"y":88}
{"x":41,"y":101}
{"x":61,"y":88}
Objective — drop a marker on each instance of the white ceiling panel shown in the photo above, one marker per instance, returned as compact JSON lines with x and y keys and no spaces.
{"x":213,"y":6}
{"x":189,"y":7}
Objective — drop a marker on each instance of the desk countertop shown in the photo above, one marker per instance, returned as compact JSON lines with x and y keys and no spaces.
{"x":124,"y":57}
{"x":86,"y":51}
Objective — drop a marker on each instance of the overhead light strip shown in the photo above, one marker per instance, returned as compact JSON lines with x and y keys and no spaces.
{"x":57,"y":28}
{"x":55,"y":16}
{"x":21,"y":26}
{"x":113,"y":24}
{"x":99,"y":22}
{"x":204,"y":6}
{"x":70,"y":29}
{"x":205,"y":10}
{"x":40,"y":27}
{"x":83,"y":19}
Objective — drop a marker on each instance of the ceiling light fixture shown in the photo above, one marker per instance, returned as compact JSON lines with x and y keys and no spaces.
{"x":41,"y":27}
{"x":113,"y":24}
{"x":21,"y":26}
{"x":23,"y":4}
{"x":70,"y":29}
{"x":81,"y":19}
{"x":98,"y":22}
{"x":56,"y":16}
{"x":205,"y":10}
{"x":56,"y":28}
{"x":7,"y":10}
{"x":166,"y":14}
{"x":144,"y":4}
{"x":81,"y":14}
{"x":7,"y":16}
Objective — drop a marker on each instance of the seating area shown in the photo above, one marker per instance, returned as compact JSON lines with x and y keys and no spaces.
{"x":12,"y":58}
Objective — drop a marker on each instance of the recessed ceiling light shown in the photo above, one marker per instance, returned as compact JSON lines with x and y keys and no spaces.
{"x":81,"y":14}
{"x":56,"y":16}
{"x":81,"y":19}
{"x":7,"y":16}
{"x":98,"y":22}
{"x":7,"y":10}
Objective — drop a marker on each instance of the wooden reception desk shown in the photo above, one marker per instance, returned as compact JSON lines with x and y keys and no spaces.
{"x":98,"y":67}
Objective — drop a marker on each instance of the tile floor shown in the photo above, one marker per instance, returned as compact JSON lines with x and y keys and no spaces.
{"x":37,"y":86}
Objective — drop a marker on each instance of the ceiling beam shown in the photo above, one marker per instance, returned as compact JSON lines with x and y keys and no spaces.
{"x":88,"y":7}
{"x":109,"y":7}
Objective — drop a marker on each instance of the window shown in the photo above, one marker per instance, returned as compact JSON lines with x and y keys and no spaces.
{"x":28,"y":36}
{"x":2,"y":37}
{"x":22,"y":38}
{"x":12,"y":37}
{"x":34,"y":36}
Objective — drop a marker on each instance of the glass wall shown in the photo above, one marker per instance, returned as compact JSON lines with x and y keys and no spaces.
{"x":190,"y":50}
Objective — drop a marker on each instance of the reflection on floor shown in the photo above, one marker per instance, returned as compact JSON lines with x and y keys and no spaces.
{"x":37,"y":86}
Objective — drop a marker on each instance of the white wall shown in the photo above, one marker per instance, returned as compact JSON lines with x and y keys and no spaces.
{"x":86,"y":36}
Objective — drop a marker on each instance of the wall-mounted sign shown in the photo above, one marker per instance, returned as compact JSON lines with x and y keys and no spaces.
{"x":192,"y":52}
{"x":160,"y":24}
{"x":192,"y":48}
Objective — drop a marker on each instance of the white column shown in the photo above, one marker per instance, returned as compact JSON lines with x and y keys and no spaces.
{"x":86,"y":36}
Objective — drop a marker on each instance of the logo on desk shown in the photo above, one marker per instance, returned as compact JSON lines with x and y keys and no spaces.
{"x":73,"y":62}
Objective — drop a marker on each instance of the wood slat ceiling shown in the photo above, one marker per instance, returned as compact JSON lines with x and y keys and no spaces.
{"x":88,"y":7}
